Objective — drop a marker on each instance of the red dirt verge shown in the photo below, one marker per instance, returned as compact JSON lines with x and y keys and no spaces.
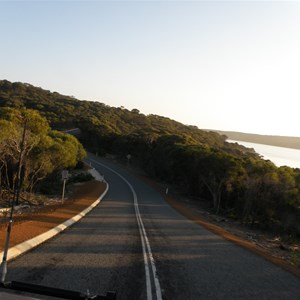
{"x":30,"y":225}
{"x":192,"y":215}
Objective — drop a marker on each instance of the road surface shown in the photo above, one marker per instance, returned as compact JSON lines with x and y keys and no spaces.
{"x":135,"y":243}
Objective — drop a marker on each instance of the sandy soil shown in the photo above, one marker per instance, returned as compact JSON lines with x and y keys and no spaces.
{"x":30,"y":224}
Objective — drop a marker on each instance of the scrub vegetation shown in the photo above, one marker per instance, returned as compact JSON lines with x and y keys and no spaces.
{"x":30,"y":153}
{"x":232,"y":179}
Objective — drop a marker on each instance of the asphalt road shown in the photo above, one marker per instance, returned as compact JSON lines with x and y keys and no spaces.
{"x":135,"y":243}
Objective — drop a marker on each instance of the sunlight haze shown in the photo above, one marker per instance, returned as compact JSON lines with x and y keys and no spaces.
{"x":217,"y":65}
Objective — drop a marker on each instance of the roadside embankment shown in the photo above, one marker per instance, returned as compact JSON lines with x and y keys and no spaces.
{"x":238,"y":235}
{"x":35,"y":228}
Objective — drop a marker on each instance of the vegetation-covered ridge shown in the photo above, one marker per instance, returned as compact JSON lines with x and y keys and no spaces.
{"x":63,"y":112}
{"x":232,"y":179}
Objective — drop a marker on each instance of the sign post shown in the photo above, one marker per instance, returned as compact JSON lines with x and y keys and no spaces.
{"x":128,"y":159}
{"x":64,"y":176}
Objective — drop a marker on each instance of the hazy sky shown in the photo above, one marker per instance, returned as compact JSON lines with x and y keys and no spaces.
{"x":220,"y":65}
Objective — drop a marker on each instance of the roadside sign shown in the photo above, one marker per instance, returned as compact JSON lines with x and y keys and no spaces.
{"x":64,"y":174}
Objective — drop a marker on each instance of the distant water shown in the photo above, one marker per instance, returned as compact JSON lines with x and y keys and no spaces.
{"x":280,"y":156}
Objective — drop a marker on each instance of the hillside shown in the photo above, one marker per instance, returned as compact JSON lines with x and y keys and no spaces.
{"x":231,"y":179}
{"x":92,"y":118}
{"x":65,"y":112}
{"x":280,"y":141}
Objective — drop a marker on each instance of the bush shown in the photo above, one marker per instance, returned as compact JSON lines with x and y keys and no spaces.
{"x":79,"y":165}
{"x":81,"y":177}
{"x":52,"y":185}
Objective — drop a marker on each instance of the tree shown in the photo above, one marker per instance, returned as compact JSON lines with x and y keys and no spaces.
{"x":30,"y":149}
{"x":217,"y":170}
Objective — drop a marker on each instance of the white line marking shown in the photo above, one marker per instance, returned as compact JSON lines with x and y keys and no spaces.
{"x":144,"y":239}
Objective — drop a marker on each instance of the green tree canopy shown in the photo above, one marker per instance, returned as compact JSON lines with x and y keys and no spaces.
{"x":43,"y":152}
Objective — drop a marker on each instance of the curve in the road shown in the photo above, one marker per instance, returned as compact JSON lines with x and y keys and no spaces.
{"x":147,"y":253}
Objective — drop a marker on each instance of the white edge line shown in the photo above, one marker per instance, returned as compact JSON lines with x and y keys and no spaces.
{"x":21,"y":248}
{"x":152,"y":261}
{"x":151,"y":258}
{"x":147,"y":271}
{"x":144,"y":239}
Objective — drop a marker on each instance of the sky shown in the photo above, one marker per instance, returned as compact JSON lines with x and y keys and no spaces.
{"x":226,"y":65}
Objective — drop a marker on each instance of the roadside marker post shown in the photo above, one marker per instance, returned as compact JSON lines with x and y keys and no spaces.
{"x":64,"y":175}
